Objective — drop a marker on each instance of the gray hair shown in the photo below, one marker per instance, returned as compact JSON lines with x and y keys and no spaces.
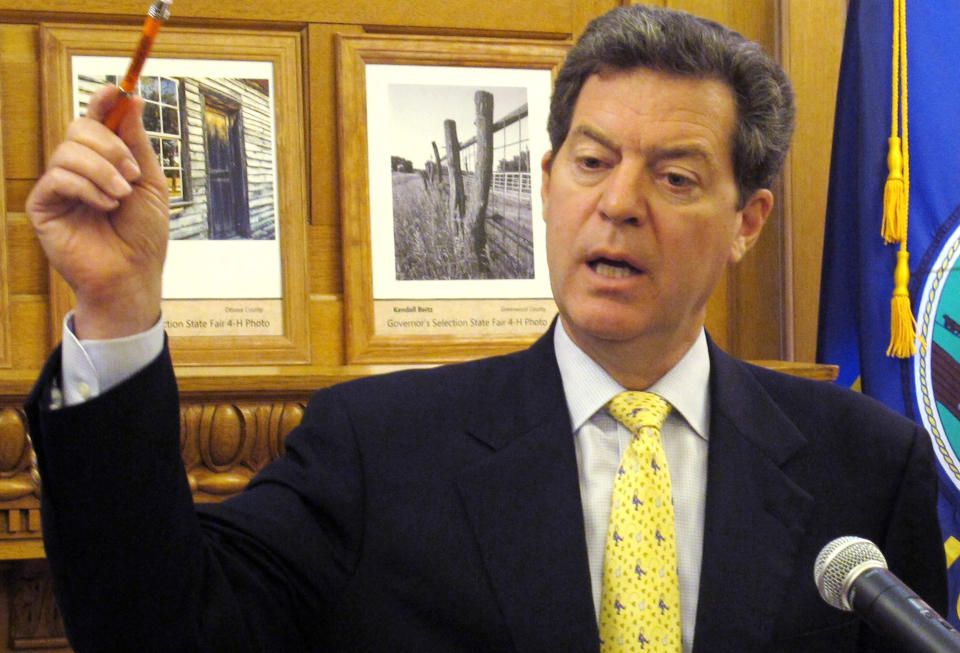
{"x":678,"y":43}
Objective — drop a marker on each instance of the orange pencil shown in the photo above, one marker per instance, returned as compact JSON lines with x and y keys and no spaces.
{"x":159,"y":12}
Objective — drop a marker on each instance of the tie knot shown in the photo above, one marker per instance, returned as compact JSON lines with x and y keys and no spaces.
{"x":637,"y":410}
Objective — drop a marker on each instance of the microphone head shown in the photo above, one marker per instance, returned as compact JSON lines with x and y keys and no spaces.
{"x":840,"y":563}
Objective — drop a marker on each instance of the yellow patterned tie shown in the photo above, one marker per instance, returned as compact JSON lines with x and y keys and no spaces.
{"x":640,"y":606}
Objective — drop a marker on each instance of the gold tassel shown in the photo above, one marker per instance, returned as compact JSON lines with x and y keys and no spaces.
{"x":902,"y":324}
{"x":894,"y":229}
{"x":896,"y":194}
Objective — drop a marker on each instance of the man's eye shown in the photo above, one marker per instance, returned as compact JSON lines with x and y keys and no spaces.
{"x":677,"y":180}
{"x":591,"y":163}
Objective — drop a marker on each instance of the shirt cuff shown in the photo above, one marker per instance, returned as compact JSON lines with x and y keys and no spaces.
{"x":91,"y":367}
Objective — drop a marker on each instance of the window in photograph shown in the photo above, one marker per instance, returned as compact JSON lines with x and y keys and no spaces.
{"x":161,"y":118}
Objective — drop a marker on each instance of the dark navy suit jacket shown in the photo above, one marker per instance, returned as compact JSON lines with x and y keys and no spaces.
{"x":439,"y":510}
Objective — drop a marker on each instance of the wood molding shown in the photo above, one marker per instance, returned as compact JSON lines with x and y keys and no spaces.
{"x":811,"y":46}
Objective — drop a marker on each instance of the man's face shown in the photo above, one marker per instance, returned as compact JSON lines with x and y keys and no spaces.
{"x":640,"y":204}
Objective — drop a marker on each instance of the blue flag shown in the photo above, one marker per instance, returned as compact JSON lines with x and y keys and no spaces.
{"x":857,"y":281}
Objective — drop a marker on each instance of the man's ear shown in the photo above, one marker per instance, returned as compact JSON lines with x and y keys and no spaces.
{"x":545,"y":178}
{"x":752,"y":218}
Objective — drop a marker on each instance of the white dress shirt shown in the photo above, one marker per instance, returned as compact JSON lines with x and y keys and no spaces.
{"x":92,"y":367}
{"x":600,"y":440}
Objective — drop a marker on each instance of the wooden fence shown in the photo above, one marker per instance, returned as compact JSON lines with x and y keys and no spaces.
{"x":491,"y":208}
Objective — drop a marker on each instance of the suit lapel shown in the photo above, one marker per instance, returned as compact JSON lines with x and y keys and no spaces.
{"x":755,"y":514}
{"x":523,"y":502}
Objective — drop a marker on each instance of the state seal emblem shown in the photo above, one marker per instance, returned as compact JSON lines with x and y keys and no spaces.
{"x":936,"y":367}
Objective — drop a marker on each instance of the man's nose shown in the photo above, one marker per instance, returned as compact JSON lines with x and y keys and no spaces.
{"x":624,"y":196}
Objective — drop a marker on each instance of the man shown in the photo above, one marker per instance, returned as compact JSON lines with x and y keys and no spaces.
{"x":411,"y":513}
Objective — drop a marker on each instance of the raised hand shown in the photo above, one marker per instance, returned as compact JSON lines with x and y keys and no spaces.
{"x":101,"y":213}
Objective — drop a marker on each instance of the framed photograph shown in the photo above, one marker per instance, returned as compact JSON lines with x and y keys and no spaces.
{"x":443,"y":243}
{"x":224,"y":112}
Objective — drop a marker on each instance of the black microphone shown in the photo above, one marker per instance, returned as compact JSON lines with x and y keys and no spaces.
{"x":851,"y":574}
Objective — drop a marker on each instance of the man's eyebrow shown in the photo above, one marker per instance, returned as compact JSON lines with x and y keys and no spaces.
{"x":683,"y":151}
{"x":587,"y":131}
{"x":691,"y":150}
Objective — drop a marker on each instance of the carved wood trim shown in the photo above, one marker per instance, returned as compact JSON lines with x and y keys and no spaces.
{"x":19,"y":482}
{"x":35,"y":621}
{"x":225,"y":444}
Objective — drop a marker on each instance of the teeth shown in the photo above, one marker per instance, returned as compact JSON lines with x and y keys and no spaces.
{"x":613,"y":271}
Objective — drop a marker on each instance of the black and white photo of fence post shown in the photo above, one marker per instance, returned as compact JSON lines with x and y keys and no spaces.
{"x":483,"y":101}
{"x":456,"y":195}
{"x":461,"y":208}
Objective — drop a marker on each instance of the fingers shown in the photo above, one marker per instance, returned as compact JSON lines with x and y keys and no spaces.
{"x":76,"y":174}
{"x":102,"y":101}
{"x":135,"y":136}
{"x":131,"y":131}
{"x":92,"y":166}
{"x":60,"y":189}
{"x":99,"y":169}
{"x":87,"y":139}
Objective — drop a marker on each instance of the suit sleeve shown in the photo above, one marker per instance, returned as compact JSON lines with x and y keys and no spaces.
{"x":913,"y":545}
{"x":136,"y":568}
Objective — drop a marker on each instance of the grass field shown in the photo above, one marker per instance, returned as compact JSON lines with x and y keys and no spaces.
{"x":428,"y":244}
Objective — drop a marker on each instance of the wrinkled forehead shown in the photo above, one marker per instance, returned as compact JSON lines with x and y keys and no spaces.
{"x":631,"y":107}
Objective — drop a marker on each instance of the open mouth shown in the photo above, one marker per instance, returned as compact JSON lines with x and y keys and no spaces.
{"x":613,"y":269}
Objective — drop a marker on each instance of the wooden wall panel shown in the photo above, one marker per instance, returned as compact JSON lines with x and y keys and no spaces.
{"x":545,"y":17}
{"x":20,"y":70}
{"x":29,"y":274}
{"x":757,"y":308}
{"x":324,"y":158}
{"x":30,"y":320}
{"x":586,"y":10}
{"x":4,"y":272}
{"x":328,"y":349}
{"x":813,"y":43}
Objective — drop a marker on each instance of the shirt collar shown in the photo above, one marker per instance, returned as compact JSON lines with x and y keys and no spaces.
{"x":587,"y":387}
